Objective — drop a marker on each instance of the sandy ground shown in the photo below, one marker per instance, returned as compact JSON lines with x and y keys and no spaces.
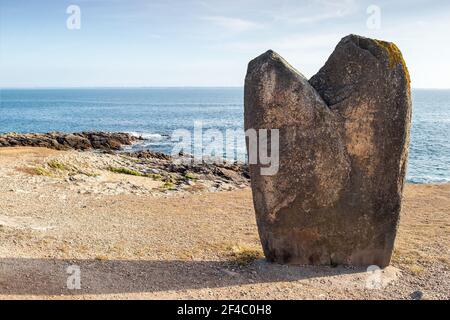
{"x":134,"y":245}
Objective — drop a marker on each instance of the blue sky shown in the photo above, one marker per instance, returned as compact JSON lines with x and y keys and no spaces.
{"x":205,"y":43}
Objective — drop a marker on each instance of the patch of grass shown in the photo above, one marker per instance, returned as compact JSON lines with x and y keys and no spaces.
{"x":40,"y":171}
{"x":101,"y":258}
{"x":243,"y":255}
{"x":55,"y":164}
{"x":125,"y":171}
{"x":416,"y":269}
{"x":168,"y":185}
{"x":154,"y":176}
{"x":190,"y":176}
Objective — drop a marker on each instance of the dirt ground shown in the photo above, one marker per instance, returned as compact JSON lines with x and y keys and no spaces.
{"x":188,"y":246}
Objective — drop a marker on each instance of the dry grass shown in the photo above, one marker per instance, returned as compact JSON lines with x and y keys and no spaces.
{"x":55,"y":164}
{"x":101,"y":258}
{"x":190,"y":176}
{"x":125,"y":171}
{"x":54,"y":168}
{"x":238,"y":253}
{"x":41,"y":171}
{"x":416,"y":269}
{"x":244,"y":255}
{"x":168,"y":185}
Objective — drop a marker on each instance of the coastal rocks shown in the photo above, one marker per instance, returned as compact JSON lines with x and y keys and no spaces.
{"x":147,"y":154}
{"x":343,"y":142}
{"x":211,"y":176}
{"x":144,"y":171}
{"x":92,"y":172}
{"x":64,"y":141}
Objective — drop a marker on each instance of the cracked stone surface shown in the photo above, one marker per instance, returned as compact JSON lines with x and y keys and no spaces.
{"x":343,"y":147}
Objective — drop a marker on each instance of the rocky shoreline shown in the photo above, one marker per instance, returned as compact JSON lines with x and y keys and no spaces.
{"x":105,"y":141}
{"x":222,"y":176}
{"x":101,"y":155}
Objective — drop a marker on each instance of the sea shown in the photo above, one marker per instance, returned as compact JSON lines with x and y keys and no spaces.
{"x":157,"y":113}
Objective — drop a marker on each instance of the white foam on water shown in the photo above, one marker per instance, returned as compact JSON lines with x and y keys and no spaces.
{"x":147,"y":136}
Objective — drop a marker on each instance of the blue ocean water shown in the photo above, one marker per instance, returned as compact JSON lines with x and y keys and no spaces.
{"x":156,"y":112}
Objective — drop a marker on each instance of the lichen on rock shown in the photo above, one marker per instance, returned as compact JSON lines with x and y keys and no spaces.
{"x":395,"y":58}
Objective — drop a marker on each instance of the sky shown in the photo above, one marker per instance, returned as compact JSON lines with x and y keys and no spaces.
{"x":206,"y":42}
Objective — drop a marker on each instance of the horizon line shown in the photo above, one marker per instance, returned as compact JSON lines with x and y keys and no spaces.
{"x":116,"y":87}
{"x":155,"y":87}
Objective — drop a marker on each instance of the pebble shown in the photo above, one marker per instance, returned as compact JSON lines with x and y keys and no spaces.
{"x":230,"y":273}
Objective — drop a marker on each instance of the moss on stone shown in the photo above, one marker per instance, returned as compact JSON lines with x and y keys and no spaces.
{"x":395,"y":58}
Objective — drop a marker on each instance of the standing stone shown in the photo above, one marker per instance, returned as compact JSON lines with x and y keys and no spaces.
{"x":343,"y":145}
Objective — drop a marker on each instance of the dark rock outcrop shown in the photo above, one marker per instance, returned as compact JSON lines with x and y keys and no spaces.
{"x":64,"y":141}
{"x":343,"y":146}
{"x":147,"y":154}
